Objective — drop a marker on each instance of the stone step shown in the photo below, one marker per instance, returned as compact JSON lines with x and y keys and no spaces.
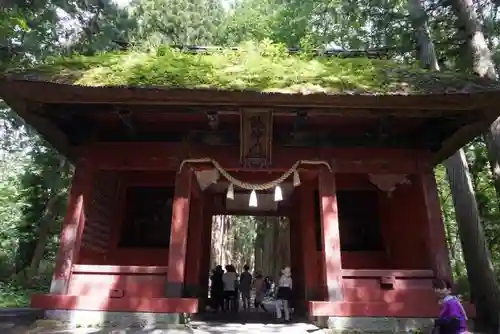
{"x":195,"y":328}
{"x":254,"y":328}
{"x":240,"y":317}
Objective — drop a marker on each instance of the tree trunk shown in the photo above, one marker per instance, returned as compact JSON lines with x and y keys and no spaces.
{"x":259,"y":245}
{"x":217,"y":256}
{"x":477,"y":257}
{"x":268,"y":254}
{"x":481,"y":61}
{"x":480,"y":55}
{"x":426,"y":52}
{"x":492,"y":140}
{"x":43,"y":234}
{"x":227,"y":240}
{"x":484,"y":288}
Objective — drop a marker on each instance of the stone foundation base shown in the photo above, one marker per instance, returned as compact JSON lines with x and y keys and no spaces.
{"x":96,"y":319}
{"x":374,"y":324}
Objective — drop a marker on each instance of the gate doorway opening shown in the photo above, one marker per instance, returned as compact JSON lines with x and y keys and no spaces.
{"x":261,"y":242}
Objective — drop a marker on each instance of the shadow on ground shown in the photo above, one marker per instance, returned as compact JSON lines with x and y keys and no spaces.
{"x":18,"y":320}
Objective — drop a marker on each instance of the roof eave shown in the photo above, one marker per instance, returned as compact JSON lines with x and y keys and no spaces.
{"x":48,"y":131}
{"x":25,"y":97}
{"x":459,"y":139}
{"x":49,"y":92}
{"x":464,"y":135}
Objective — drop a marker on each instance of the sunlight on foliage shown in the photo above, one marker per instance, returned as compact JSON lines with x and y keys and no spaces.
{"x":263,"y":67}
{"x":16,"y":296}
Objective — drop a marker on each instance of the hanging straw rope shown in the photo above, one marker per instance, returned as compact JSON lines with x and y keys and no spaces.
{"x":255,"y":186}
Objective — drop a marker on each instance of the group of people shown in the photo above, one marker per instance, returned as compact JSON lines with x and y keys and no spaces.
{"x":227,"y":287}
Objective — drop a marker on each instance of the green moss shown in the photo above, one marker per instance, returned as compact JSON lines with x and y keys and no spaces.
{"x":262,"y":67}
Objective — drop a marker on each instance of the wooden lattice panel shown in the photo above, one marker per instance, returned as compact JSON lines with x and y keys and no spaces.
{"x":96,"y":233}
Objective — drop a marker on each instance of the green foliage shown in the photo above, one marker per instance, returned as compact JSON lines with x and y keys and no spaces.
{"x":42,"y":180}
{"x":12,"y":295}
{"x":10,"y":215}
{"x":250,"y":20}
{"x":263,"y":66}
{"x":180,"y":22}
{"x":448,"y":215}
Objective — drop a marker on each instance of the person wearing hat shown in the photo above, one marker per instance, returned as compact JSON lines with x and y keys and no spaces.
{"x":284,"y":294}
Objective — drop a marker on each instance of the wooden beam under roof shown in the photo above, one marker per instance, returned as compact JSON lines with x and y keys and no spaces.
{"x":29,"y":100}
{"x":137,"y":109}
{"x":45,"y":92}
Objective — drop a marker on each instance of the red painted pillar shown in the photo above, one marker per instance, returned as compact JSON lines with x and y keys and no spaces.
{"x":206,"y":251}
{"x":296,"y":253}
{"x":179,"y":234}
{"x":72,"y":229}
{"x":330,"y":235}
{"x":195,"y":247}
{"x":436,"y":237}
{"x":200,"y":247}
{"x":308,"y":242}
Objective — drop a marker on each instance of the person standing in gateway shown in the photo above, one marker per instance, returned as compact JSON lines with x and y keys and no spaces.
{"x":230,"y":280}
{"x":217,"y":289}
{"x":259,"y":284}
{"x":245,"y":286}
{"x":284,"y":294}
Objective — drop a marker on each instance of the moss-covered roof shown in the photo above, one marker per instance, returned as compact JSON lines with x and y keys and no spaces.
{"x":257,"y":67}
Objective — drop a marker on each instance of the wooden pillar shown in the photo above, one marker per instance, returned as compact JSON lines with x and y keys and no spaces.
{"x":296,"y":253}
{"x":330,"y":235}
{"x":72,"y":229}
{"x":199,"y":236}
{"x":195,"y":247}
{"x":179,"y":234}
{"x":308,"y":241}
{"x":206,"y":251}
{"x":436,"y":236}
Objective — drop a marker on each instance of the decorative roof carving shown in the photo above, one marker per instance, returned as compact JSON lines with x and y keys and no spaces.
{"x":388,"y":182}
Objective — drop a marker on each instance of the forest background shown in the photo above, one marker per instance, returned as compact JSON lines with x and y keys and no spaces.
{"x":34,"y":179}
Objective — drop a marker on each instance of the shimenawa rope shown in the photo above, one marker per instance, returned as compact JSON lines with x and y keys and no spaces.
{"x":255,"y":186}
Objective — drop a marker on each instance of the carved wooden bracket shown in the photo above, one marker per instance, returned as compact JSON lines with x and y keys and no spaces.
{"x":206,"y":178}
{"x":388,"y":182}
